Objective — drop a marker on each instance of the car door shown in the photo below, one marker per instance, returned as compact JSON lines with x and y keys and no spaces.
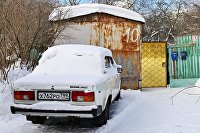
{"x":111,"y":70}
{"x":117,"y":76}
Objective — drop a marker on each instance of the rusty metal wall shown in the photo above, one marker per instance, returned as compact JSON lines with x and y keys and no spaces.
{"x":120,"y":35}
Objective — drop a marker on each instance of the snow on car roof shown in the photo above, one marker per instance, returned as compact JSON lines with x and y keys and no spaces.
{"x":73,"y":64}
{"x":67,"y":12}
{"x":78,"y":49}
{"x":75,"y":49}
{"x":83,"y":58}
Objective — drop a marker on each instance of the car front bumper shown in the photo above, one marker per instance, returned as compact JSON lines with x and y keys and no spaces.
{"x":57,"y":113}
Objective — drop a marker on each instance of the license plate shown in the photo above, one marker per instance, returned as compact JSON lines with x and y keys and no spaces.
{"x":53,"y":96}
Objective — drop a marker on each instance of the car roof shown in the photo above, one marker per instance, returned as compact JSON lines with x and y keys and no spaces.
{"x":81,"y":49}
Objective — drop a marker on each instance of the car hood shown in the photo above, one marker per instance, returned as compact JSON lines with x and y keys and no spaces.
{"x":61,"y":80}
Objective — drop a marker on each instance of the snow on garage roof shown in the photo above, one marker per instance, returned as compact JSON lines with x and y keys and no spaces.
{"x":67,"y":12}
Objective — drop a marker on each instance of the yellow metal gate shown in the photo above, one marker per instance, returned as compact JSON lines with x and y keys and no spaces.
{"x":154,"y":67}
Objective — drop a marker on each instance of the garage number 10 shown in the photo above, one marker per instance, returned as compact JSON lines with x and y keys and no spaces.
{"x":131,"y":32}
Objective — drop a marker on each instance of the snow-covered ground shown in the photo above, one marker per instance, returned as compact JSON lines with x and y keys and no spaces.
{"x":152,"y":111}
{"x":149,"y":111}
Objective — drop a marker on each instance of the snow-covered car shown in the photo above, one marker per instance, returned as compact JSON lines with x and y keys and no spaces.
{"x":70,"y":80}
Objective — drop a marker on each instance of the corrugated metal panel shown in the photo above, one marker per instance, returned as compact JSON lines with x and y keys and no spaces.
{"x":120,"y":35}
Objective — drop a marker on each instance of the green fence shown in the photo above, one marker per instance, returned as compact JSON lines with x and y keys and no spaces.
{"x":186,"y":68}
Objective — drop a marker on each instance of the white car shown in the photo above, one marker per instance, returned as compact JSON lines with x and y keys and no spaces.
{"x":70,"y":80}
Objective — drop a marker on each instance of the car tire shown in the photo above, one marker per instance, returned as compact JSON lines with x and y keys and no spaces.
{"x":36,"y":119}
{"x":118,"y":96}
{"x":103,"y":117}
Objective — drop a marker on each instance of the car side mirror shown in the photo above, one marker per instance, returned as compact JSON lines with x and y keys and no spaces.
{"x":119,"y":69}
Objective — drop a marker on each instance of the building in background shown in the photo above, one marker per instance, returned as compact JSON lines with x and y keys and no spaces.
{"x":107,"y":26}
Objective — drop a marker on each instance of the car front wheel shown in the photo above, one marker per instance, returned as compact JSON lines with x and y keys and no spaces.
{"x":118,"y":96}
